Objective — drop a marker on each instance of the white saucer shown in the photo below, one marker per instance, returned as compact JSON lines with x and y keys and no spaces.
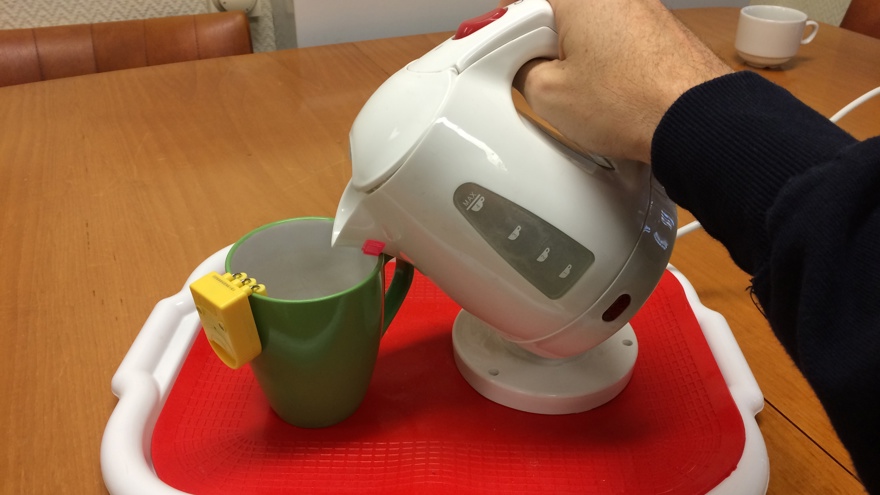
{"x":763,"y":62}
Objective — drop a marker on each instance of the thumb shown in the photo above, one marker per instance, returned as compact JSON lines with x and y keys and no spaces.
{"x":533,"y":83}
{"x":527,"y":79}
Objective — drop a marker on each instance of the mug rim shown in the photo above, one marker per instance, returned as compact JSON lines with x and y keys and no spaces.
{"x":749,"y":9}
{"x":341,"y":293}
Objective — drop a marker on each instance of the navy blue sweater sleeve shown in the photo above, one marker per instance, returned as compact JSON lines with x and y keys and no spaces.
{"x":796,"y":202}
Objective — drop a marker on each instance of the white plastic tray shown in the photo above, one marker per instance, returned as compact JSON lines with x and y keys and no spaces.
{"x":148,"y":371}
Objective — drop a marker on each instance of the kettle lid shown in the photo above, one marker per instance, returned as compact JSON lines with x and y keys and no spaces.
{"x":392,"y":123}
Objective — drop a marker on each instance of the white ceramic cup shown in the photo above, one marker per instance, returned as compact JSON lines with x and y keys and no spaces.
{"x":770,"y":35}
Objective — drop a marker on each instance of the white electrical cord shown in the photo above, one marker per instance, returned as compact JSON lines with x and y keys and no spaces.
{"x":687,"y":229}
{"x":858,"y":101}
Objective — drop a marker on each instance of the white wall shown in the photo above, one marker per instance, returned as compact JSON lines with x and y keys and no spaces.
{"x":830,"y":11}
{"x":320,"y":22}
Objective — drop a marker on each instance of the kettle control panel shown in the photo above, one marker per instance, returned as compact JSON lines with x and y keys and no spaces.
{"x":544,"y":255}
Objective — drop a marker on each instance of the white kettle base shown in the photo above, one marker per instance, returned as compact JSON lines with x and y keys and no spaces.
{"x":511,"y":376}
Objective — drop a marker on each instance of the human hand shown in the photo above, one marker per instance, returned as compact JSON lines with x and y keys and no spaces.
{"x":622,"y":63}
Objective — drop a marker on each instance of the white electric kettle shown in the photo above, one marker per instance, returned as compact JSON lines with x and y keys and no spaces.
{"x":549,"y":251}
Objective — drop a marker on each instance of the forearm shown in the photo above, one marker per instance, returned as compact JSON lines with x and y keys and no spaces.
{"x":796,"y":201}
{"x":730,"y":145}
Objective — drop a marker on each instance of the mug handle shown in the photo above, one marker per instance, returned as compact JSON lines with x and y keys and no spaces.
{"x":809,"y":38}
{"x":397,"y":289}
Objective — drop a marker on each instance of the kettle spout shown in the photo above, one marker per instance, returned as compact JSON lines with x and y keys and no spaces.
{"x":354,"y":224}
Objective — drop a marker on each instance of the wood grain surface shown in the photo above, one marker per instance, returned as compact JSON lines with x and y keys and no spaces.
{"x":115,"y":186}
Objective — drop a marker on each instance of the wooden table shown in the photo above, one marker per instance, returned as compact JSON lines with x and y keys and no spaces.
{"x":114,"y":187}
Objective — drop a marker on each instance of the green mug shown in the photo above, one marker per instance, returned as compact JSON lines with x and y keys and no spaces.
{"x":321,"y":320}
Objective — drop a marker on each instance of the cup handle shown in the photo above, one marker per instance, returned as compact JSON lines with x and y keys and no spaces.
{"x":397,"y":289}
{"x":809,"y":38}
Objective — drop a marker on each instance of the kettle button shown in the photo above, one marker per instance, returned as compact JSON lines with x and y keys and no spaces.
{"x":471,"y":26}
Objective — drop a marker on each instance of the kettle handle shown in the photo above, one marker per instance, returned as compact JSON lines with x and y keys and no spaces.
{"x":510,"y":36}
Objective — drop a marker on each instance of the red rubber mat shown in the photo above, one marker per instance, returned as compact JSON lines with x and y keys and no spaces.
{"x":422,"y":429}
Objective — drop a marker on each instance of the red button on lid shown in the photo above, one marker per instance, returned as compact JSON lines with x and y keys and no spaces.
{"x":471,"y":26}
